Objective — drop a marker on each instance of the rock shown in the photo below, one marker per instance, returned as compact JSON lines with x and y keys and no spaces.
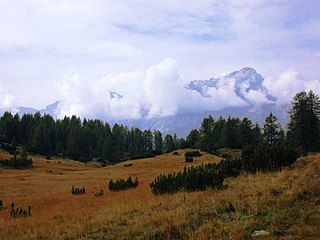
{"x":259,"y":233}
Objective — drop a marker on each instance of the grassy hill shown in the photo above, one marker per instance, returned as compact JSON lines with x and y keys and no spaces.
{"x":286,"y":203}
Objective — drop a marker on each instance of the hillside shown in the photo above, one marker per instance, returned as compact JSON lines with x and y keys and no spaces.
{"x":286,"y":203}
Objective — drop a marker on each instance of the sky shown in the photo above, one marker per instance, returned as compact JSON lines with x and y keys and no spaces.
{"x":78,"y":51}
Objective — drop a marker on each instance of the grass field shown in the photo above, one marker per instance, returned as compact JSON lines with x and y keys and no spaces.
{"x":286,"y":203}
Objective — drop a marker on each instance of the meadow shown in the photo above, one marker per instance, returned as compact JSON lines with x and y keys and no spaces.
{"x":284,"y":203}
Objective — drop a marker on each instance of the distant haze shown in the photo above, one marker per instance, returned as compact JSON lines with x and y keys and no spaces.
{"x":135,"y":59}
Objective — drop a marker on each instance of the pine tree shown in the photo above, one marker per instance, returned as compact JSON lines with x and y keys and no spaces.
{"x":246,"y":132}
{"x":230,"y":133}
{"x":304,"y":124}
{"x":271,"y":130}
{"x":193,"y":138}
{"x":206,"y":133}
{"x":168,"y":144}
{"x":158,"y":143}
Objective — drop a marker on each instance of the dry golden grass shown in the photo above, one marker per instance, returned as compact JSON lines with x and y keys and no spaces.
{"x":286,"y":204}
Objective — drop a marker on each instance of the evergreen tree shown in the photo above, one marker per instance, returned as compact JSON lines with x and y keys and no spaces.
{"x":73,"y":147}
{"x":175,"y":141}
{"x":230,"y":133}
{"x":246,"y":132}
{"x":193,"y":138}
{"x":304,"y":124}
{"x":158,"y":143}
{"x":271,"y":130}
{"x":218,"y":131}
{"x":206,"y":133}
{"x":256,"y":137}
{"x":7,"y":126}
{"x":147,"y":136}
{"x":168,"y":144}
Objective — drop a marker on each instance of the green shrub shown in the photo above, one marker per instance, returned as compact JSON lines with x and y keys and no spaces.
{"x":192,"y":154}
{"x":122,"y":184}
{"x":188,"y":159}
{"x":190,"y":179}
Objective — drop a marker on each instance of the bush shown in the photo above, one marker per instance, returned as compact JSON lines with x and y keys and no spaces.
{"x":18,"y":163}
{"x":192,"y":154}
{"x":122,"y":184}
{"x":191,"y":179}
{"x":99,"y":193}
{"x":8,"y":147}
{"x":78,"y":191}
{"x":268,"y":157}
{"x":143,"y":155}
{"x":188,"y":159}
{"x":230,"y":167}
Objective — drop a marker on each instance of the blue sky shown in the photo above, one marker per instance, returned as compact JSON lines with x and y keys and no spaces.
{"x":44,"y":44}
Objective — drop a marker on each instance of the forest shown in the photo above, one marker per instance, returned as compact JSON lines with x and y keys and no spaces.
{"x":84,"y":140}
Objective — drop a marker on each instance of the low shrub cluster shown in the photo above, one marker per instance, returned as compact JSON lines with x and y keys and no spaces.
{"x":15,"y":162}
{"x":142,"y":155}
{"x":268,"y":157}
{"x":11,"y":148}
{"x":254,"y":159}
{"x":259,"y":158}
{"x":19,"y":162}
{"x":16,"y":212}
{"x":78,"y":191}
{"x":190,"y":155}
{"x":189,"y":159}
{"x":190,"y":179}
{"x":100,"y":193}
{"x":122,"y":184}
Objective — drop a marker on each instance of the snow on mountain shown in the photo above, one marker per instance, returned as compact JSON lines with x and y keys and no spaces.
{"x":50,"y":110}
{"x":247,"y":85}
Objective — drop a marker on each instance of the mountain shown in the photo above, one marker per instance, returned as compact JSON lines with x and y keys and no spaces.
{"x":246,"y":83}
{"x":246,"y":80}
{"x":50,"y":109}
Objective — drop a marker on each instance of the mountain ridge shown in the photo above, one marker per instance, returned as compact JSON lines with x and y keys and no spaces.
{"x":246,"y":84}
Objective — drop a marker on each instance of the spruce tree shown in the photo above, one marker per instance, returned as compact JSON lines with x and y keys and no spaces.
{"x":304,"y":124}
{"x":206,"y":133}
{"x":158,"y":143}
{"x":271,"y":130}
{"x":193,"y":138}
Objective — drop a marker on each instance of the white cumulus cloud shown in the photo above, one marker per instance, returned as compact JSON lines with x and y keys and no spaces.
{"x":7,"y":101}
{"x":158,"y":91}
{"x":288,"y":84}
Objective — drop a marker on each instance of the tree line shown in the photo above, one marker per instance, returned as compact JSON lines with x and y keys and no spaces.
{"x":87,"y":139}
{"x":81,"y":140}
{"x":303,"y":129}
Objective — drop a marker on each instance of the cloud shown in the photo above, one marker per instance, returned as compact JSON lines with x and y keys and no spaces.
{"x":288,"y":84}
{"x":7,"y":101}
{"x":159,"y":91}
{"x":45,"y":39}
{"x":224,"y":94}
{"x":257,"y":97}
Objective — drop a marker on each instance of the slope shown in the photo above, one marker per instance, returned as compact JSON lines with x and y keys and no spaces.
{"x":286,"y":203}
